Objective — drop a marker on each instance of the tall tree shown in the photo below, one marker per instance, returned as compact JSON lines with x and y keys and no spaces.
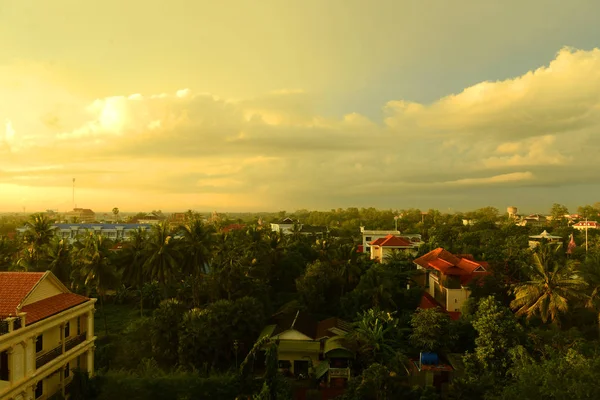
{"x":39,"y":231}
{"x":163,"y":257}
{"x":115,"y":212}
{"x":131,"y":263}
{"x":58,"y":259}
{"x":196,"y":250}
{"x":94,"y":267}
{"x":552,"y":283}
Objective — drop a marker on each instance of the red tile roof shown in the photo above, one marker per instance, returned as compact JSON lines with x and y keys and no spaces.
{"x":14,"y":286}
{"x":52,"y":305}
{"x":449,"y":264}
{"x":391,"y":241}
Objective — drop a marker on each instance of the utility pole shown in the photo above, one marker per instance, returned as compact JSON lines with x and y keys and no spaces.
{"x":586,"y":235}
{"x":396,"y":223}
{"x":73,"y":193}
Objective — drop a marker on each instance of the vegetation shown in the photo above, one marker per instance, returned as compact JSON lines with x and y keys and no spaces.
{"x":181,"y":306}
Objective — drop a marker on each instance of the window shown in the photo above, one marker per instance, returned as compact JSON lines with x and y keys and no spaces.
{"x":285,"y":364}
{"x":67,"y":371}
{"x":79,"y":361}
{"x":368,"y":238}
{"x":79,"y":325}
{"x":39,"y":344}
{"x":67,"y":329}
{"x":456,"y":300}
{"x":4,"y":373}
{"x":39,"y":389}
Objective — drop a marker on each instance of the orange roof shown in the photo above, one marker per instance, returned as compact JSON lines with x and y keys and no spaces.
{"x":391,"y":241}
{"x":427,"y":302}
{"x":449,"y":264}
{"x":14,"y":286}
{"x":52,"y":305}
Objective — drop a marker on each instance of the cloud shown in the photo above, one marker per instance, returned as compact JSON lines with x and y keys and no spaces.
{"x":540,"y":129}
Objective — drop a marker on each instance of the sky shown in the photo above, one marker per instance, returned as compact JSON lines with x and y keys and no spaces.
{"x":270,"y":105}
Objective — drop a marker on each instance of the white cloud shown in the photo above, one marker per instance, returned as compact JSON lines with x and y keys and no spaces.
{"x":541,"y":128}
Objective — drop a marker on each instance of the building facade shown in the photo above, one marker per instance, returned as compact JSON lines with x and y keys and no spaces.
{"x":81,"y":215}
{"x":46,"y":332}
{"x":383,"y":248}
{"x":369,"y":236}
{"x":116,"y":232}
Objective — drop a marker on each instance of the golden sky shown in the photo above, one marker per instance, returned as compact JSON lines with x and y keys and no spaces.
{"x":244,"y":105}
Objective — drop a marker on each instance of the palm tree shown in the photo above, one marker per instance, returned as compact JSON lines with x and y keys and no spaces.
{"x":131,"y":260}
{"x":94,"y":267}
{"x":39,"y":232}
{"x":8,"y":250}
{"x":115,"y":211}
{"x":552,"y":283}
{"x":196,"y":250}
{"x":163,"y":257}
{"x":58,"y":259}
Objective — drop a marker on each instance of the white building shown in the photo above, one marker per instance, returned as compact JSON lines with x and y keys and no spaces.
{"x":369,"y":236}
{"x":583,"y":225}
{"x":385,"y":247}
{"x":45,"y":333}
{"x":116,"y":232}
{"x":535,"y":240}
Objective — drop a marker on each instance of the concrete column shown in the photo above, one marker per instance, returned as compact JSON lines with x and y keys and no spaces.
{"x":90,"y":361}
{"x":90,"y":324}
{"x":11,"y":364}
{"x":62,"y":337}
{"x":11,"y":324}
{"x":29,"y":359}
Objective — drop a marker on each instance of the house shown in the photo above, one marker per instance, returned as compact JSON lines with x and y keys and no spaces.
{"x":534,"y":220}
{"x":535,"y":240}
{"x":288,"y":226}
{"x":447,"y":276}
{"x":309,"y":347}
{"x":383,"y":248}
{"x":81,"y":215}
{"x":45,"y":332}
{"x":584,"y":225}
{"x":369,"y":236}
{"x":116,"y":232}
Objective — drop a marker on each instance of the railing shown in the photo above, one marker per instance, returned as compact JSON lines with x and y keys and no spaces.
{"x":48,"y":356}
{"x":57,"y":351}
{"x":339,"y":372}
{"x":74,"y":341}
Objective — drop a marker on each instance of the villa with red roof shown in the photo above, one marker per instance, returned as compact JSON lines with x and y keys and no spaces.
{"x":384,"y":247}
{"x":46,"y":331}
{"x":446,"y":279}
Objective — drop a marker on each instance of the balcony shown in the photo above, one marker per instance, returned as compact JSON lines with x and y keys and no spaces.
{"x":3,"y":327}
{"x":57,"y":351}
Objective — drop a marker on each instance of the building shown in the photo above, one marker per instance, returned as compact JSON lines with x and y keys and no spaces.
{"x":535,"y":240}
{"x":80,"y":215}
{"x":369,"y":236}
{"x":45,"y":333}
{"x":584,"y":225}
{"x":447,"y":276}
{"x":116,"y":232}
{"x":534,"y":220}
{"x":307,"y":346}
{"x":288,"y":226}
{"x":385,"y":247}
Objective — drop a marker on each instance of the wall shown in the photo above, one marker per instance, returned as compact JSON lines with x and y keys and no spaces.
{"x":51,"y":339}
{"x":45,"y":289}
{"x":455,"y":299}
{"x":299,"y":356}
{"x":293,"y":335}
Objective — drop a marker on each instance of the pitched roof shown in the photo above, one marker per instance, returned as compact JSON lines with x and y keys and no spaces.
{"x":52,"y":305}
{"x":427,"y":302}
{"x":391,"y":241}
{"x":449,"y":264}
{"x":331,"y":327}
{"x":14,"y":287}
{"x":586,"y":223}
{"x":299,"y":321}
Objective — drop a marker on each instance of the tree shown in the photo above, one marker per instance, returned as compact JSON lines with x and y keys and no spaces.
{"x":131,"y":263}
{"x":558,"y":212}
{"x":498,"y":332}
{"x":431,"y":330}
{"x":590,"y":273}
{"x":58,"y":259}
{"x":39,"y":231}
{"x":164,"y":331}
{"x":588,"y":211}
{"x":94,"y":267}
{"x":552,"y":282}
{"x":163,"y":256}
{"x":115,"y":212}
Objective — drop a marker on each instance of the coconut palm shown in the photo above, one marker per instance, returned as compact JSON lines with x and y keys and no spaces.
{"x":94,"y":268}
{"x":39,"y":231}
{"x":196,"y":250}
{"x":552,"y":284}
{"x":58,"y":259}
{"x":115,"y":211}
{"x":162,"y":262}
{"x":131,"y":260}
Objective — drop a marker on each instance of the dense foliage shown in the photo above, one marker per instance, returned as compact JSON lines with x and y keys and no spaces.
{"x":182,"y":305}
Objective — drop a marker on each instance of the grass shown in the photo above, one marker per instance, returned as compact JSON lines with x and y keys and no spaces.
{"x":118,"y":316}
